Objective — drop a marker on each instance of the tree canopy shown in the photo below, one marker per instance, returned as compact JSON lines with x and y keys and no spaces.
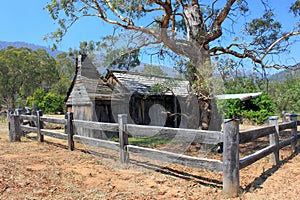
{"x":23,"y":71}
{"x":193,"y":31}
{"x":183,"y":24}
{"x":153,"y":70}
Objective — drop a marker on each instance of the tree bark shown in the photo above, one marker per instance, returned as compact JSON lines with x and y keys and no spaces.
{"x":200,"y":71}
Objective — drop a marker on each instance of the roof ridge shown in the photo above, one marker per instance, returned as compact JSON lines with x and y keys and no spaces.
{"x":142,"y":74}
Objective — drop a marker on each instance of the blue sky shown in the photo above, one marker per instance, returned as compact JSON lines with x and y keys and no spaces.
{"x":26,"y":20}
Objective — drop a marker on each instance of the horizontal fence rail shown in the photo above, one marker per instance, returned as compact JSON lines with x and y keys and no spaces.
{"x":287,"y":125}
{"x":189,"y":161}
{"x":200,"y":136}
{"x":248,"y":160}
{"x":252,"y":134}
{"x":231,"y":138}
{"x":54,"y":134}
{"x":275,"y":144}
{"x":28,"y":117}
{"x":28,"y":129}
{"x":113,"y":127}
{"x":54,"y":120}
{"x":97,"y":142}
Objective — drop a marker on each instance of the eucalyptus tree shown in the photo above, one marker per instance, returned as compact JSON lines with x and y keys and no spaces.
{"x":153,"y":70}
{"x":22,"y":71}
{"x":193,"y":30}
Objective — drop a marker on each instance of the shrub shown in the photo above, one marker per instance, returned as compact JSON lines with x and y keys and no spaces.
{"x":53,"y":103}
{"x":50,"y":102}
{"x":256,"y":110}
{"x":36,"y":98}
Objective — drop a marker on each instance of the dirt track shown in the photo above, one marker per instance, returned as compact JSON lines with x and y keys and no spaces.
{"x":31,"y":170}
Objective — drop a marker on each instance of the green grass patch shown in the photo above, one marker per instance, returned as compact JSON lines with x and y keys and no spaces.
{"x":150,"y":142}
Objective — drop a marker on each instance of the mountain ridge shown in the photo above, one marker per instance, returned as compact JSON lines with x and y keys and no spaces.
{"x":283,"y":75}
{"x":18,"y":44}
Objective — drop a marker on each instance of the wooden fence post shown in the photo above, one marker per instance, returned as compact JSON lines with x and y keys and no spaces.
{"x":274,"y":140}
{"x":283,"y":114}
{"x":293,"y":117}
{"x":15,"y":131}
{"x":70,"y":130}
{"x":123,"y":138}
{"x":231,"y":173}
{"x":8,"y":114}
{"x":39,"y":126}
{"x":18,"y":112}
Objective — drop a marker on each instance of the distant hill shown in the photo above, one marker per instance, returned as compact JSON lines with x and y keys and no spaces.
{"x":4,"y":45}
{"x":283,"y":75}
{"x":171,"y":72}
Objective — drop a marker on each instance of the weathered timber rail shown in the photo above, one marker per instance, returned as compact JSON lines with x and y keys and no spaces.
{"x":231,"y":138}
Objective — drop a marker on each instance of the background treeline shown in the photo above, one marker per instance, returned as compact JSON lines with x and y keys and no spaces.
{"x":278,"y":95}
{"x":30,"y":77}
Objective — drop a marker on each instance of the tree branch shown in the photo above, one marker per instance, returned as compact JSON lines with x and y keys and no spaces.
{"x":284,"y":37}
{"x":245,"y":54}
{"x":142,"y":8}
{"x":216,"y":29}
{"x":129,"y":22}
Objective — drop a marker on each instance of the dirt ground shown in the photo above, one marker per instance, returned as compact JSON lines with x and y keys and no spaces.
{"x":32,"y":170}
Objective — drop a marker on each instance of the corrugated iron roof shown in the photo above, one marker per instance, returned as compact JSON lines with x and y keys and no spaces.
{"x":242,"y":97}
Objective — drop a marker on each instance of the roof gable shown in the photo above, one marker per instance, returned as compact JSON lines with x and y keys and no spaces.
{"x":89,"y":83}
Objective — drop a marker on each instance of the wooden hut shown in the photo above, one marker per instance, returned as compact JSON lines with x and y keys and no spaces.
{"x":96,"y":97}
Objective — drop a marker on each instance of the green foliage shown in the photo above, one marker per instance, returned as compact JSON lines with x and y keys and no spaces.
{"x":295,"y":8}
{"x":265,"y":30}
{"x":53,"y":103}
{"x":126,"y":61}
{"x":61,"y":86}
{"x":22,"y":71}
{"x":50,"y":102}
{"x":241,"y":84}
{"x":259,"y":109}
{"x":286,"y":94}
{"x":161,"y":88}
{"x":230,"y":109}
{"x":65,"y":64}
{"x":194,"y":36}
{"x":158,"y":88}
{"x":256,"y":110}
{"x":37,"y":98}
{"x":118,"y":52}
{"x":112,"y":52}
{"x":153,"y":70}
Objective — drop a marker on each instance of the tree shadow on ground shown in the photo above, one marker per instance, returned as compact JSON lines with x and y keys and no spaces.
{"x":209,"y":182}
{"x":179,"y":174}
{"x":257,"y":182}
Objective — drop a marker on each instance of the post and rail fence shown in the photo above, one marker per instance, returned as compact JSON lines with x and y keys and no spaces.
{"x":231,"y":137}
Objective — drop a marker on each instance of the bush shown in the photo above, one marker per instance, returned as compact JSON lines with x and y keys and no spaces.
{"x":36,"y":98}
{"x":53,"y":103}
{"x":50,"y":102}
{"x":256,"y":110}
